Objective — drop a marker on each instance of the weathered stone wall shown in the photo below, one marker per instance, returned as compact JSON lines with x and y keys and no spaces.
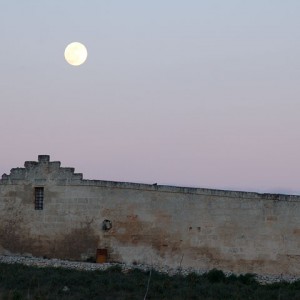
{"x":200,"y":228}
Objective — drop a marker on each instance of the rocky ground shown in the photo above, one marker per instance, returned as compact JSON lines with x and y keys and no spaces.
{"x":87,"y":266}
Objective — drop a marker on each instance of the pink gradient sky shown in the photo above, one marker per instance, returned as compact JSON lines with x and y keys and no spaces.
{"x":187,"y":93}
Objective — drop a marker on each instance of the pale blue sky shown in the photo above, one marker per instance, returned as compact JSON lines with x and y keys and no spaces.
{"x":188,"y":93}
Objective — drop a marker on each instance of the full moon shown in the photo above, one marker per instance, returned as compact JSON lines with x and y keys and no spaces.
{"x":75,"y":54}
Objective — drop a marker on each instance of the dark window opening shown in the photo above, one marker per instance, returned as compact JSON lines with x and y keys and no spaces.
{"x":39,"y":198}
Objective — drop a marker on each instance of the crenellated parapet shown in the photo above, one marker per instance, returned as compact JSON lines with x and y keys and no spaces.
{"x":42,"y":170}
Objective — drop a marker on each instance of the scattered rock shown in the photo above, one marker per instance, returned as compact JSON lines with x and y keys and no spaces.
{"x":65,"y":289}
{"x":87,"y":266}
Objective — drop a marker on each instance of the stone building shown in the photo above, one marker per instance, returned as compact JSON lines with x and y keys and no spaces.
{"x":47,"y":210}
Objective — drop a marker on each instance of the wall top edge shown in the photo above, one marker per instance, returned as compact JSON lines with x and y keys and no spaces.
{"x":52,"y":173}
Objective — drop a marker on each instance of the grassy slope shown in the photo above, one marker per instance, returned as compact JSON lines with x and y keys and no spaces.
{"x":22,"y":282}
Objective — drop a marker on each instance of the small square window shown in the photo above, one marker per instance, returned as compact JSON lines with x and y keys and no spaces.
{"x":39,"y":198}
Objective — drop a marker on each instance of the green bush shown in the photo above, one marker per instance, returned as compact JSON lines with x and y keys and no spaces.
{"x":215,"y":276}
{"x":247,"y":279}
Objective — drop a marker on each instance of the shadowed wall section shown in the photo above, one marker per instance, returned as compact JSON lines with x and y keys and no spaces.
{"x":232,"y":231}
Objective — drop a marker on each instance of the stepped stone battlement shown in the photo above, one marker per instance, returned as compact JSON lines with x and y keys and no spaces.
{"x":43,"y":169}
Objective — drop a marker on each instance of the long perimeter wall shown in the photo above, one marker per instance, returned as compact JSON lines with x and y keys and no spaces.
{"x":199,"y":228}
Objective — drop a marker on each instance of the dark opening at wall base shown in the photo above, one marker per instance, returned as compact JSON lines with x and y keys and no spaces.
{"x":101,"y":256}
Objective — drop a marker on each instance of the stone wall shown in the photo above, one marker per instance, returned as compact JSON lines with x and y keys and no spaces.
{"x":152,"y":224}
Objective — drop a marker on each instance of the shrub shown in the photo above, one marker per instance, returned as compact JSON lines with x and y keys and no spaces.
{"x":247,"y":279}
{"x":215,"y":276}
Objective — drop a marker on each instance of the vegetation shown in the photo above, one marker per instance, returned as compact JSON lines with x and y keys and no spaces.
{"x":22,"y":282}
